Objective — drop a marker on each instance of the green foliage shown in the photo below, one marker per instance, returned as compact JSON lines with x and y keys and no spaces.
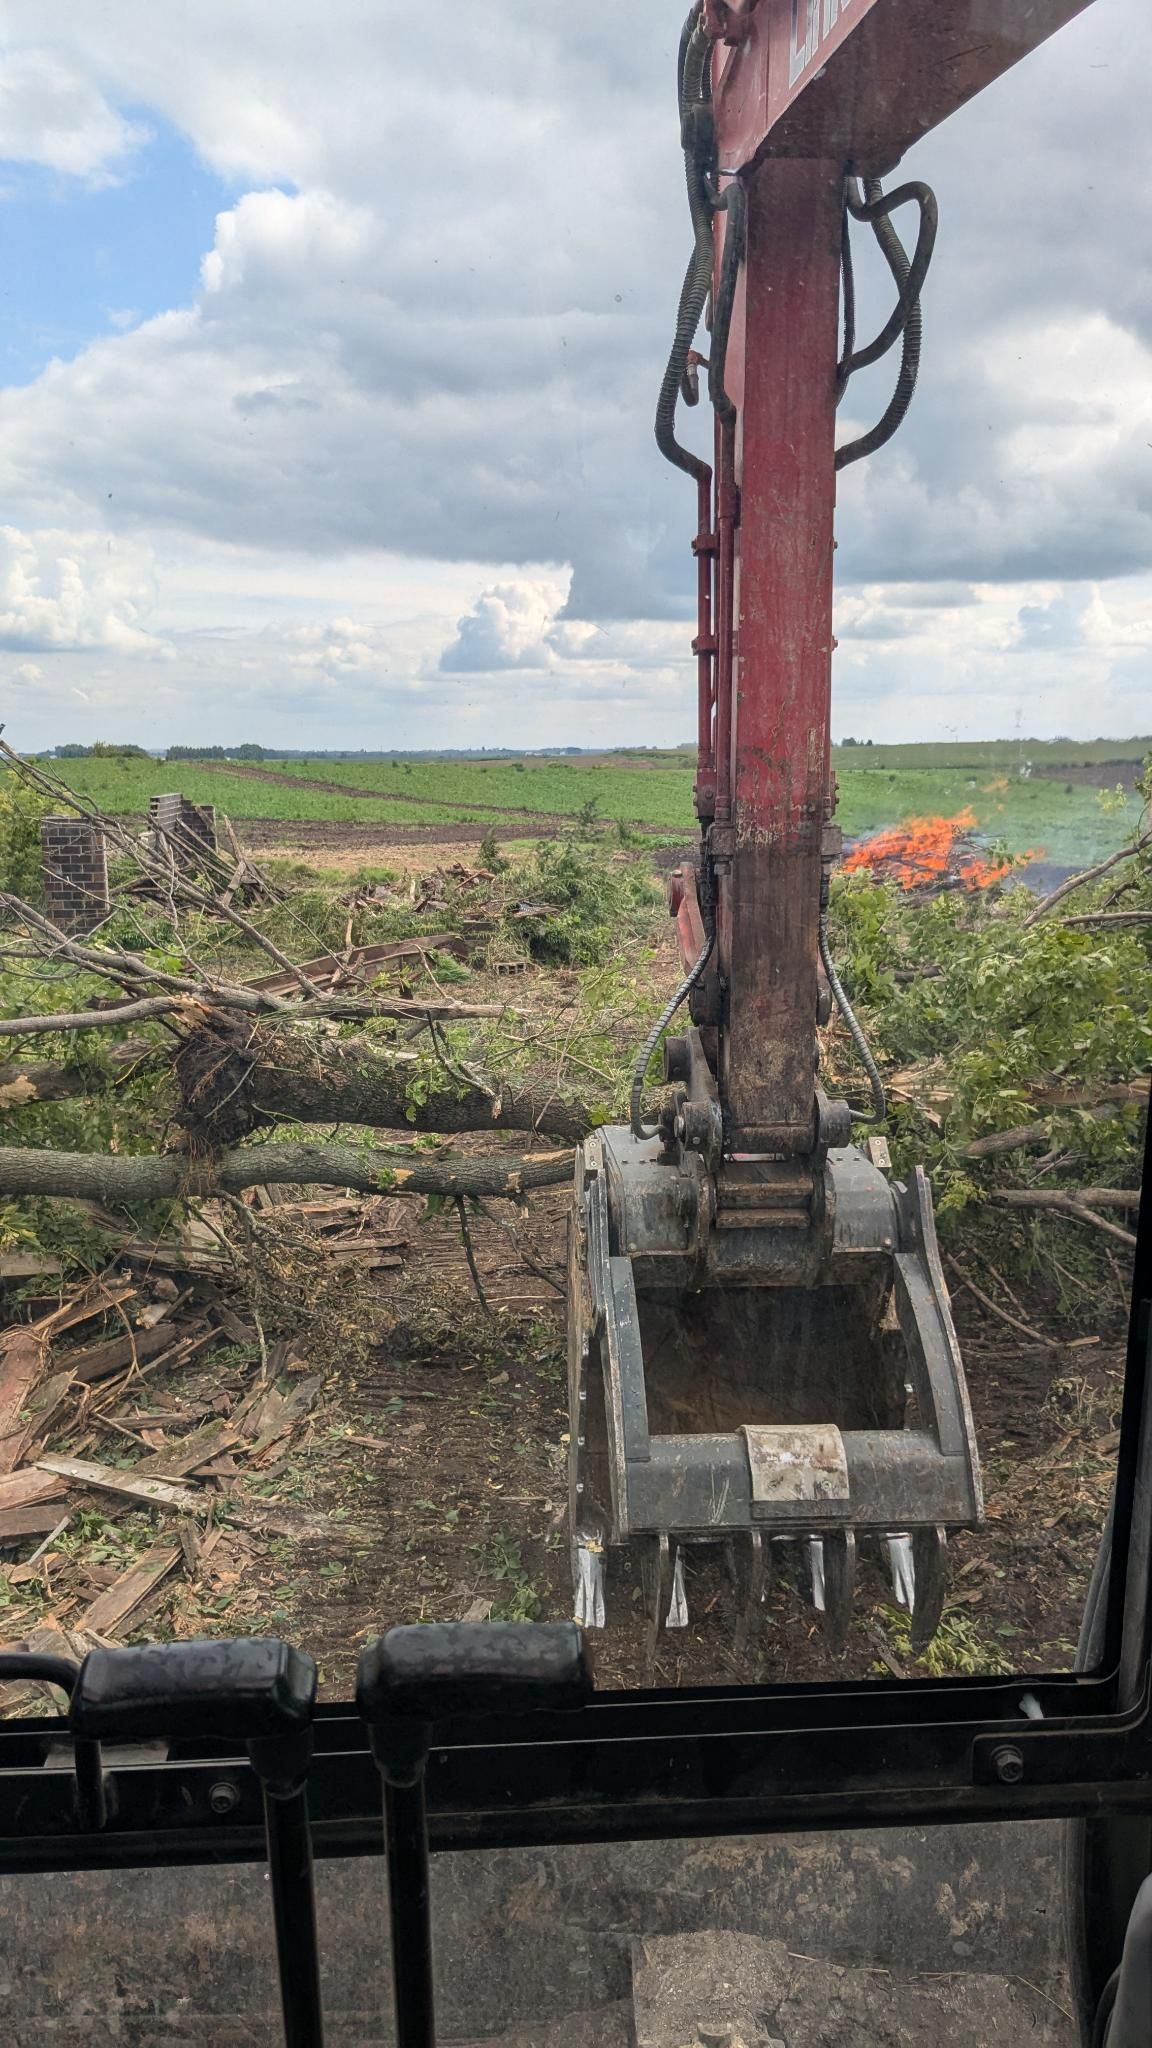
{"x":104,"y":750}
{"x":21,"y":810}
{"x":490,"y":854}
{"x":593,"y":903}
{"x":988,"y":1011}
{"x":957,"y":1649}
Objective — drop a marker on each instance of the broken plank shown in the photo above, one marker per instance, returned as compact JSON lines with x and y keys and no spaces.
{"x":27,"y":1489}
{"x":28,"y":1266}
{"x":81,"y":1310}
{"x":33,"y":1521}
{"x":197,"y":1449}
{"x":118,"y":1602}
{"x":154,"y":1493}
{"x":22,"y":1357}
{"x":44,"y":1405}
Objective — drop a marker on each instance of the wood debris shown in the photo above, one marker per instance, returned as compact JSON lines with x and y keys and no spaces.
{"x":115,"y":1606}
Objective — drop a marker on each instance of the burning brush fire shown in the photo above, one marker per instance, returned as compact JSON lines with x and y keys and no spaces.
{"x":931,"y":854}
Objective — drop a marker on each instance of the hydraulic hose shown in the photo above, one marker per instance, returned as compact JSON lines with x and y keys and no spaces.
{"x":694,"y":75}
{"x":879,"y":1109}
{"x":639,"y":1129}
{"x":907,"y":320}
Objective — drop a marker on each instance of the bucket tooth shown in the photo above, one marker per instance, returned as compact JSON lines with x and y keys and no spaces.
{"x":677,"y":1616}
{"x":901,"y":1565}
{"x":930,"y":1569}
{"x":665,"y":1604}
{"x":839,"y":1560}
{"x":589,"y":1604}
{"x":749,"y":1563}
{"x":816,"y":1571}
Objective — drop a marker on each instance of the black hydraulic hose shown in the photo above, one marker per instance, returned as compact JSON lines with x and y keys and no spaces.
{"x":694,"y":77}
{"x":907,"y":317}
{"x":646,"y":1051}
{"x":877,"y":207}
{"x":848,"y":275}
{"x":734,"y":202}
{"x":879,"y":1109}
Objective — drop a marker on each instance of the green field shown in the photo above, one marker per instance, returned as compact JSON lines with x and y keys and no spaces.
{"x":123,"y":787}
{"x":1002,"y":756}
{"x":1070,"y":822}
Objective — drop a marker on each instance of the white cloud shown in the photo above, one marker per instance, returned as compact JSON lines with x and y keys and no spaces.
{"x":73,"y":591}
{"x":53,"y":113}
{"x":511,"y":625}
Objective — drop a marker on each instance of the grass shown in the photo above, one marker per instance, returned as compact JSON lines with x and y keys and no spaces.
{"x":879,"y":786}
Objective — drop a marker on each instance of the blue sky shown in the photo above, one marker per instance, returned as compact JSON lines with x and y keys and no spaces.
{"x":80,"y":259}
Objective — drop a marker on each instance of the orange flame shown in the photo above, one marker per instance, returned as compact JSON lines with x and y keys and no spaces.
{"x":923,"y":851}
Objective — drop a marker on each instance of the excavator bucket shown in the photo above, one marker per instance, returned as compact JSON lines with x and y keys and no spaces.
{"x":792,"y":1426}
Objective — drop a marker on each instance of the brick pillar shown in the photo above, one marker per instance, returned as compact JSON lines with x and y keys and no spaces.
{"x":74,"y":867}
{"x":186,"y":824}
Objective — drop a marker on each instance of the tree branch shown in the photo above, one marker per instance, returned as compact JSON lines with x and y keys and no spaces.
{"x":87,"y":1020}
{"x":1089,"y":875}
{"x":1109,"y":917}
{"x":102,"y":1177}
{"x":1068,"y":1205}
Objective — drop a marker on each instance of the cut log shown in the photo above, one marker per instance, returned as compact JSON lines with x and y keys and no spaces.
{"x":119,"y":1602}
{"x":23,"y":1081}
{"x":1058,"y":1204}
{"x":294,"y":1077}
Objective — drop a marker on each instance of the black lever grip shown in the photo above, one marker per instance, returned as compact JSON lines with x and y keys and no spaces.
{"x":39,"y":1665}
{"x":435,"y":1671}
{"x":257,"y":1687}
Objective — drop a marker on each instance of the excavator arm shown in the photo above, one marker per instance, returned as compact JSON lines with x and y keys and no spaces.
{"x":763,"y":1360}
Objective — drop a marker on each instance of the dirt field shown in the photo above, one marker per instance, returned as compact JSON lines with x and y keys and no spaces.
{"x":428,"y":1483}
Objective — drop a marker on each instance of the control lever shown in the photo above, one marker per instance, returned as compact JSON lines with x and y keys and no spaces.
{"x":410,"y":1679}
{"x":260,"y":1691}
{"x":18,"y":1666}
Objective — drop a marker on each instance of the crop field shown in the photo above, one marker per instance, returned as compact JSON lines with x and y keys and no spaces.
{"x":1006,"y":756}
{"x":1067,"y":821}
{"x":123,"y":787}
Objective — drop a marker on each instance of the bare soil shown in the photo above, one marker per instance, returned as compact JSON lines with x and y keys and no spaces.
{"x":429,"y":1483}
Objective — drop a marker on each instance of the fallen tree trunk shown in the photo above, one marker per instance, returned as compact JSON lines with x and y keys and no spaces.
{"x":151,"y":1178}
{"x":24,"y":1081}
{"x":297,"y":1081}
{"x":231,"y":1086}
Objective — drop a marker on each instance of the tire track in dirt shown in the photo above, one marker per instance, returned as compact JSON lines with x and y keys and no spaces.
{"x":539,"y":820}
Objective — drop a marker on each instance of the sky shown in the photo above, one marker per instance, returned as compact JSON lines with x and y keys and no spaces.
{"x":329,"y":346}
